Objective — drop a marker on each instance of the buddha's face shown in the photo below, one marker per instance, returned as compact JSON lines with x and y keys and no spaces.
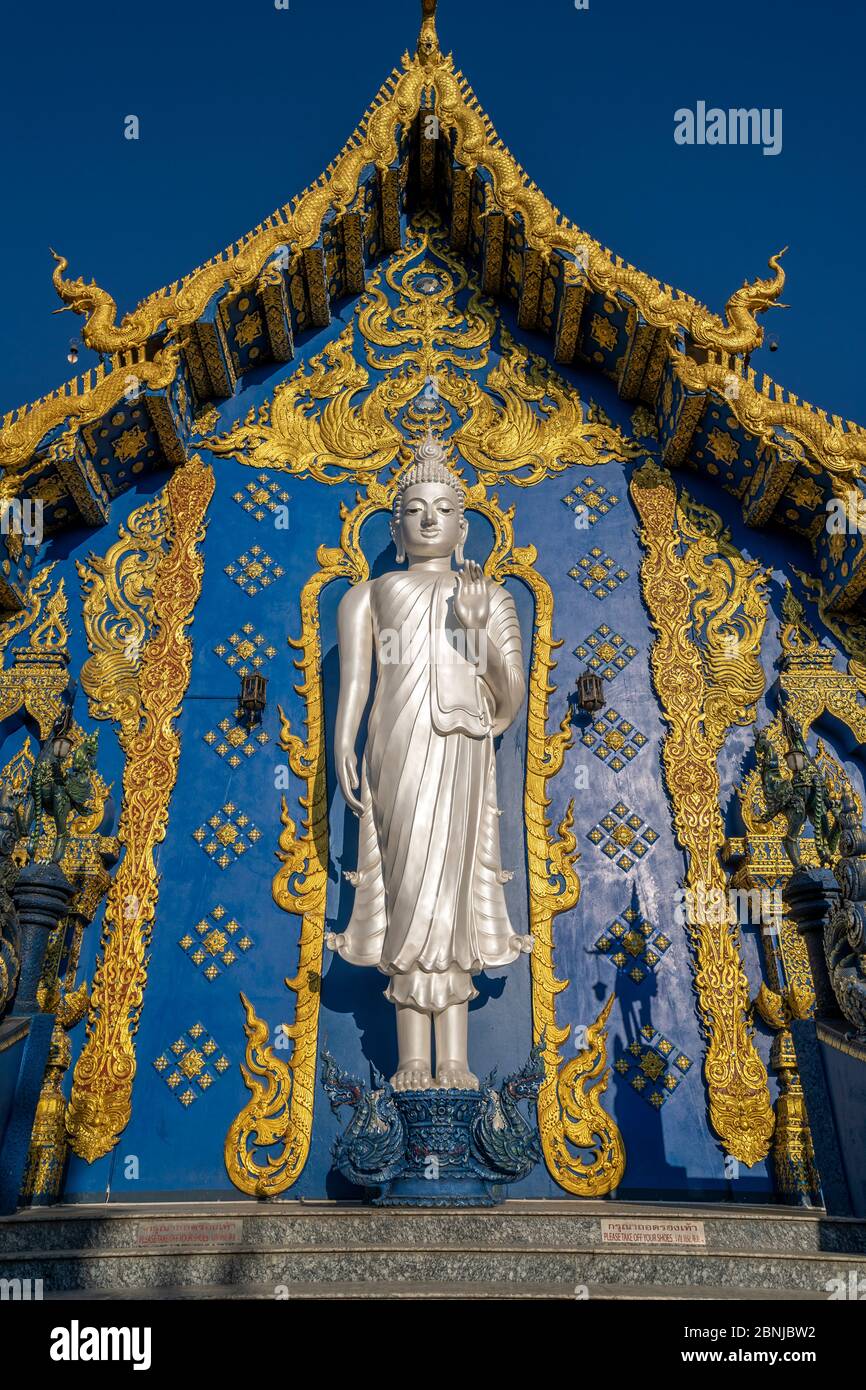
{"x":431,"y":525}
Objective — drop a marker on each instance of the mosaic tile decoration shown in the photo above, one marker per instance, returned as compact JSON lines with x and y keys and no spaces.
{"x":231,"y":738}
{"x":633,"y":944}
{"x":598,"y":573}
{"x":246,"y":650}
{"x":254,"y":570}
{"x":605,"y":652}
{"x":623,"y":836}
{"x":216,"y":940}
{"x":262,"y":497}
{"x":191,"y":1062}
{"x":227,"y":835}
{"x":655,"y":1067}
{"x":593,"y":497}
{"x":614,"y":740}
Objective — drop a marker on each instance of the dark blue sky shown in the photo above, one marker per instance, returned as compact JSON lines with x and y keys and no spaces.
{"x":242,"y":105}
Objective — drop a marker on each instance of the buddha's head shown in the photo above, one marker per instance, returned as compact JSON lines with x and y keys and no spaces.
{"x":429,"y":521}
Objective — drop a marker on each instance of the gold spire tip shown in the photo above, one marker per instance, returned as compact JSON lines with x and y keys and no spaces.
{"x":428,"y":41}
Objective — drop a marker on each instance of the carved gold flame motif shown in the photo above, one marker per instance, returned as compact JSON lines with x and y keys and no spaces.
{"x":99,"y":1106}
{"x":692,"y":575}
{"x":525,"y":423}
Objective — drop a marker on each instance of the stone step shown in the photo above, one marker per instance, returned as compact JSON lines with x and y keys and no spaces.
{"x":461,"y":1267}
{"x":294,"y":1223}
{"x":377,"y":1290}
{"x":317,"y":1250}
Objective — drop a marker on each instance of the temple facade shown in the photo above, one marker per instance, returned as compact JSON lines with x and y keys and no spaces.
{"x":680,"y":797}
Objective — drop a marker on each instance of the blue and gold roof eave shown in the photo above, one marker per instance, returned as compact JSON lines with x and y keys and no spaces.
{"x":187,"y":345}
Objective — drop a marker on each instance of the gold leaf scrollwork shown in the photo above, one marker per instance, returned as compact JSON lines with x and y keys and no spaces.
{"x":37,"y":675}
{"x":584,"y":1123}
{"x":849,"y":628}
{"x":353,"y":440}
{"x":266,"y":1119}
{"x":523,"y":424}
{"x":540,"y":429}
{"x":692,"y":580}
{"x":809,"y":679}
{"x":37,"y":592}
{"x":100,"y":1102}
{"x":426,"y":330}
{"x":279,"y":1112}
{"x":118,"y":615}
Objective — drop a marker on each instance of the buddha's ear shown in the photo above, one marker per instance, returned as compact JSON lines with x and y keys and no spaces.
{"x":397,"y":538}
{"x":458,"y":549}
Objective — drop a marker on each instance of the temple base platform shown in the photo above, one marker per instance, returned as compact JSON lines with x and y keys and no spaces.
{"x":539,"y":1250}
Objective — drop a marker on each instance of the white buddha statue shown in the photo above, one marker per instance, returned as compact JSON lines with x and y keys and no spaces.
{"x":429,"y":907}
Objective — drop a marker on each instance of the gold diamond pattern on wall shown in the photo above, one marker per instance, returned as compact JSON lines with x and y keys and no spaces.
{"x":655,"y":1067}
{"x":606,"y":652}
{"x":227,"y":835}
{"x":217,"y":942}
{"x":633,"y":944}
{"x":246,"y":650}
{"x":598,"y":573}
{"x":614,"y":740}
{"x":590,"y":499}
{"x":191,"y":1065}
{"x":254,"y":570}
{"x":623,"y":836}
{"x":262,"y":497}
{"x":231,"y":738}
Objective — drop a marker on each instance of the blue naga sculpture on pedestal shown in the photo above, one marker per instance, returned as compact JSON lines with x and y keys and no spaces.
{"x":436,"y":1147}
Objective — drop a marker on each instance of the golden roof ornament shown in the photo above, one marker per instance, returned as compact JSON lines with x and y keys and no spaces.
{"x":428,"y":39}
{"x":429,"y":82}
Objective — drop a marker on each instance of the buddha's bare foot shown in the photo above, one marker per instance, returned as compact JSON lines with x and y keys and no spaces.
{"x":414,"y":1075}
{"x":455,"y":1076}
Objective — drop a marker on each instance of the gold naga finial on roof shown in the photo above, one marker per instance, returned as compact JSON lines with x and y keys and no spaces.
{"x":428,"y":39}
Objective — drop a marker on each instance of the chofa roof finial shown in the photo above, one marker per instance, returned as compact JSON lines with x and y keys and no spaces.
{"x":428,"y":41}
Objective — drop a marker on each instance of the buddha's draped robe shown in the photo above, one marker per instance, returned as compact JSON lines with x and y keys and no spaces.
{"x":429,"y":906}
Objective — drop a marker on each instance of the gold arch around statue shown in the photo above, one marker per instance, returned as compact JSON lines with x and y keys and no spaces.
{"x":708,"y":609}
{"x":279,"y":1113}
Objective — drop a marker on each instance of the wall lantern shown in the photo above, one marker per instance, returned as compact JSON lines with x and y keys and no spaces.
{"x":254,"y":689}
{"x":590,"y":692}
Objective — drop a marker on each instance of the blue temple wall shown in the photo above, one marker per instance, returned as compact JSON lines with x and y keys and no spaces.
{"x":172,"y":1148}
